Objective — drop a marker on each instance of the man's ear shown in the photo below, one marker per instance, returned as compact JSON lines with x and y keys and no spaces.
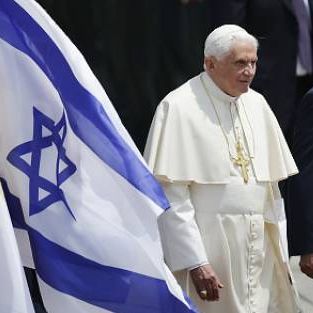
{"x":210,"y":63}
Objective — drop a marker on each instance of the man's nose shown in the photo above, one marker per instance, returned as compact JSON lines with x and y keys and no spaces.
{"x":249,"y":69}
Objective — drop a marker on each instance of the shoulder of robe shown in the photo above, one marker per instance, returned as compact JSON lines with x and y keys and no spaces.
{"x":254,"y":98}
{"x":183,"y":97}
{"x":256,"y":103}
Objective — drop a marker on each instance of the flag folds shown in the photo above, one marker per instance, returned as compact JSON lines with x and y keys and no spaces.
{"x":14,"y":295}
{"x":76,"y":186}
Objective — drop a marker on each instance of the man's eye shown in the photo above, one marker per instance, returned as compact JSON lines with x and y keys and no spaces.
{"x":241,"y":63}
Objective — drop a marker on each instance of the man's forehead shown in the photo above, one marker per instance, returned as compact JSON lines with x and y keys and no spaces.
{"x":244,"y":50}
{"x":239,"y":46}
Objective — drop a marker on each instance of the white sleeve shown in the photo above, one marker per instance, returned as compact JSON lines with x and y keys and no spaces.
{"x":277,"y":215}
{"x":180,"y":235}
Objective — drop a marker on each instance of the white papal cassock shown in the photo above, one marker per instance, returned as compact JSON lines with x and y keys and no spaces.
{"x":214,"y":216}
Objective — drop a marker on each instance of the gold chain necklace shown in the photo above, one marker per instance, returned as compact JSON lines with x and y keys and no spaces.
{"x":239,"y":159}
{"x":236,"y":134}
{"x":251,"y":154}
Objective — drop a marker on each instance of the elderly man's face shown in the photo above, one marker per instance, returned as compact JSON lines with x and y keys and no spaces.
{"x":235,"y":71}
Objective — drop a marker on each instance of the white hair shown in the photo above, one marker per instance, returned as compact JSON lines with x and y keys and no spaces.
{"x":220,"y":41}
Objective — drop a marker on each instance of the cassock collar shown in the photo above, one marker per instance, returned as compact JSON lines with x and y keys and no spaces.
{"x":216,"y":91}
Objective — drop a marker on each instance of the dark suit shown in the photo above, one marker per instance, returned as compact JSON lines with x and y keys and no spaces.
{"x":300,"y":201}
{"x":275,"y":25}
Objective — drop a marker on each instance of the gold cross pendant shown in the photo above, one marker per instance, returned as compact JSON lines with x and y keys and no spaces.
{"x":242,"y":162}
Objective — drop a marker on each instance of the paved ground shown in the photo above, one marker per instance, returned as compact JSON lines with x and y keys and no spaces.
{"x":304,"y":284}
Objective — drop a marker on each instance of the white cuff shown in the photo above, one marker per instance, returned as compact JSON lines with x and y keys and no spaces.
{"x":198,"y":265}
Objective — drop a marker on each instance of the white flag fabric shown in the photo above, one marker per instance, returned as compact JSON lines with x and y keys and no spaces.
{"x":75,"y":183}
{"x":14,"y":295}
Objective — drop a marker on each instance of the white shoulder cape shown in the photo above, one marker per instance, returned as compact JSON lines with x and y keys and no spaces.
{"x":186,"y":143}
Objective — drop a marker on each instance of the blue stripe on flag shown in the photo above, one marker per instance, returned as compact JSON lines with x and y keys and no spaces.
{"x":14,"y":206}
{"x":85,"y":113}
{"x":114,"y":289}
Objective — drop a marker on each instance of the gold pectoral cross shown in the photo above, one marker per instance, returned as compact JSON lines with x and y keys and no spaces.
{"x":242,"y":162}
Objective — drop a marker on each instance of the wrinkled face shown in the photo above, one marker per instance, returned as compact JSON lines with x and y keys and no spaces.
{"x":235,"y":71}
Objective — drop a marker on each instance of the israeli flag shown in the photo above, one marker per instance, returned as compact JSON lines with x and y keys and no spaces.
{"x":79,"y":193}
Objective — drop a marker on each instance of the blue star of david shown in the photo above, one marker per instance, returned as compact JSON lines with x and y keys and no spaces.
{"x":36,"y":148}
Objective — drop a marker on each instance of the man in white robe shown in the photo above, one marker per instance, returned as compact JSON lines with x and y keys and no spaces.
{"x":219,"y":153}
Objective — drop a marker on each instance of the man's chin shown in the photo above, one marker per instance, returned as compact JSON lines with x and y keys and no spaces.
{"x":245,"y":88}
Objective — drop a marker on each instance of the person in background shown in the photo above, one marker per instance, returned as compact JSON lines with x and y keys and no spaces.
{"x":300,"y":201}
